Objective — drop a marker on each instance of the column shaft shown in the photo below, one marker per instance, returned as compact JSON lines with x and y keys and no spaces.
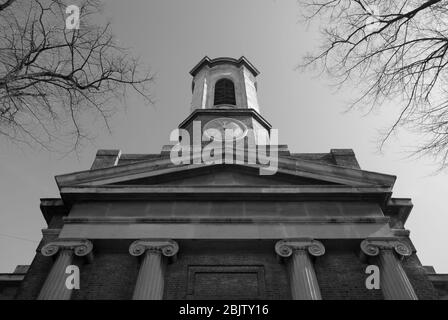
{"x":54,"y":287}
{"x":304,"y":285}
{"x":394,"y":281}
{"x":150,"y":281}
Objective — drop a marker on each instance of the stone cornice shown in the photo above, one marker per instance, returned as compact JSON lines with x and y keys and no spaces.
{"x":250,"y":220}
{"x":398,"y":209}
{"x":286,"y":165}
{"x":285,"y":248}
{"x":51,"y":232}
{"x":52,"y":207}
{"x":293,"y":193}
{"x":11,"y":277}
{"x":227,"y":113}
{"x":206,"y":61}
{"x":148,"y":193}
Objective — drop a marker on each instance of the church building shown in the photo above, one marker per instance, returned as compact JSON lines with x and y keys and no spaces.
{"x":254,"y":220}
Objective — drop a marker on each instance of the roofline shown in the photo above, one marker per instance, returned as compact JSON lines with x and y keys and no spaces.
{"x":286,"y":164}
{"x":224,"y":60}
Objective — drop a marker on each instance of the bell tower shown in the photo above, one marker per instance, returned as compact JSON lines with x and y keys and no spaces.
{"x":224,"y":83}
{"x":224,"y":96}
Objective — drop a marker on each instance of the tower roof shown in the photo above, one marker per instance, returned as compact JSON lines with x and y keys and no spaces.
{"x":224,"y":60}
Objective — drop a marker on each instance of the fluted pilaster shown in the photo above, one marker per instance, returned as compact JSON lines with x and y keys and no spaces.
{"x":393,"y":280}
{"x":54,"y":287}
{"x":303,"y":280}
{"x":151,"y":276}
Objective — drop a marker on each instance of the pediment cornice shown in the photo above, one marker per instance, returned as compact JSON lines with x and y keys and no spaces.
{"x":287,"y":166}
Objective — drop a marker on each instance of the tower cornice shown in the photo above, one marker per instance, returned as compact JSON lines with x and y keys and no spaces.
{"x":228,"y":113}
{"x":206,"y":61}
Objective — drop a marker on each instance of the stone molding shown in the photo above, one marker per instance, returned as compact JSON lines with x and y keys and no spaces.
{"x":203,"y":219}
{"x":51,"y":232}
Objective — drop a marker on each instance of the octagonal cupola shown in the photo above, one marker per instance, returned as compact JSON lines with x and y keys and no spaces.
{"x":224,"y":83}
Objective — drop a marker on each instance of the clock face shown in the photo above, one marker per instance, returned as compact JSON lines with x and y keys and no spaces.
{"x":222,"y":124}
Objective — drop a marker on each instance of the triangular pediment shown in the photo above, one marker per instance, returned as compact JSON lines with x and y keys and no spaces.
{"x":223,"y":175}
{"x":162,"y":172}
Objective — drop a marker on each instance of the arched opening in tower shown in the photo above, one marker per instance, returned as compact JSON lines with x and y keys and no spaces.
{"x":224,"y":92}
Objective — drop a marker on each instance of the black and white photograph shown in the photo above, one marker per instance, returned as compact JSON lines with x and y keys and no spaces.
{"x":222,"y":155}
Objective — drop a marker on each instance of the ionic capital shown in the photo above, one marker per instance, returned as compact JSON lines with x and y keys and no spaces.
{"x":80,"y":247}
{"x":168,"y":248}
{"x":285,"y":248}
{"x":372,"y":247}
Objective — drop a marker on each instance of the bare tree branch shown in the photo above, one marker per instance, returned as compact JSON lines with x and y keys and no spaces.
{"x":55,"y":82}
{"x":394,"y":50}
{"x":6,"y":4}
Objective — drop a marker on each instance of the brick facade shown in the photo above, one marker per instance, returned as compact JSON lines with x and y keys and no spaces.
{"x":255,"y":259}
{"x":222,"y":270}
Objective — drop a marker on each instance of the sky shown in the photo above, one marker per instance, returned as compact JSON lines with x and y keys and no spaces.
{"x":171,"y":37}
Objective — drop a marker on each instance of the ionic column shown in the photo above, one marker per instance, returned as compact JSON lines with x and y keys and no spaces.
{"x":303,"y":280}
{"x":393,"y":280}
{"x":151,"y":276}
{"x":54,"y":287}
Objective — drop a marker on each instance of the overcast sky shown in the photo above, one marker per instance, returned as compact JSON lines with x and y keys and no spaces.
{"x":171,"y":37}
